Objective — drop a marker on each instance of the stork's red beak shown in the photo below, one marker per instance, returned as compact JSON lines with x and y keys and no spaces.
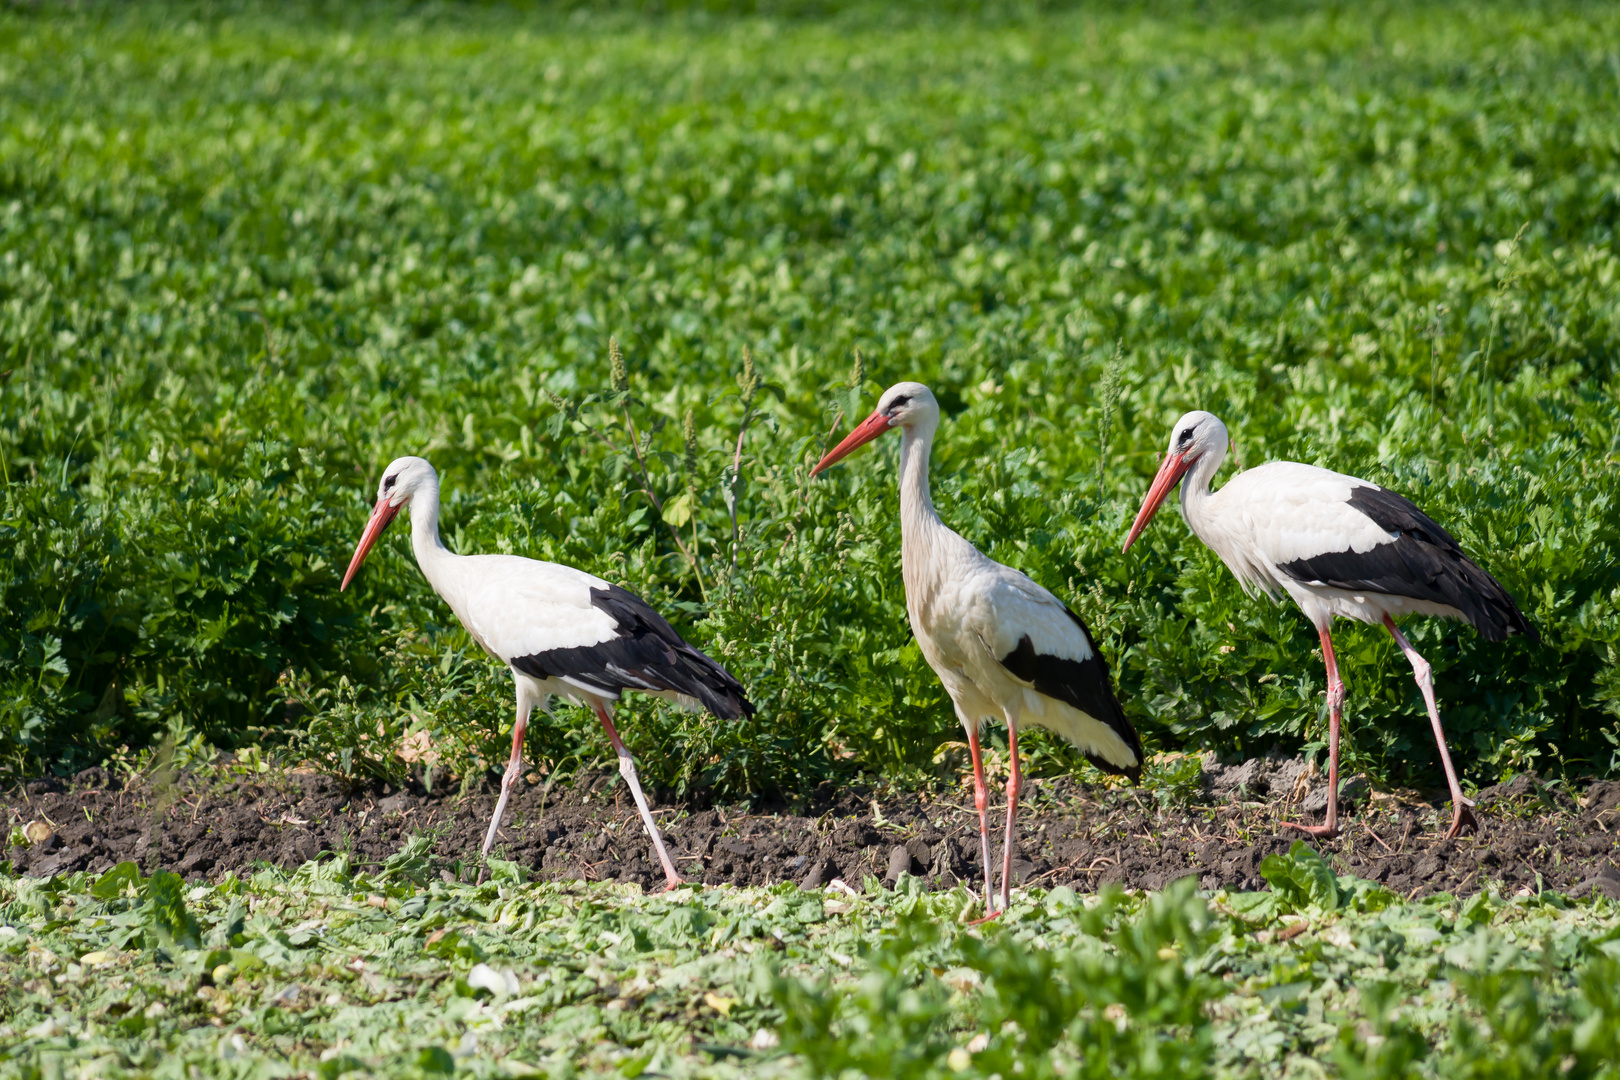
{"x":1170,"y":473}
{"x":869,"y":429}
{"x":381,"y":515}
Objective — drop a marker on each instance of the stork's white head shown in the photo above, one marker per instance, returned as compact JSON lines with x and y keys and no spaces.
{"x":403,"y":478}
{"x":1196,"y":436}
{"x":908,"y":405}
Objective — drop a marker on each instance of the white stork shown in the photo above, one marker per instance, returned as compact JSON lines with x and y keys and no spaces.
{"x":563,"y":632}
{"x":1339,"y":546}
{"x":1004,"y":647}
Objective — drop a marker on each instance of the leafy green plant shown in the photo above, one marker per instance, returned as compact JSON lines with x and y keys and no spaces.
{"x":384,"y":968}
{"x":890,"y":1024}
{"x":1174,"y":779}
{"x":1523,"y":1031}
{"x":1302,"y":879}
{"x":1042,"y":1011}
{"x":1135,"y":1010}
{"x":1393,"y":1048}
{"x":249,"y":255}
{"x":182,"y":596}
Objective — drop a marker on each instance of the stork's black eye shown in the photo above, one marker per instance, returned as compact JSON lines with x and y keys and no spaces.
{"x":1185,"y":437}
{"x":899,"y":401}
{"x":388,"y":483}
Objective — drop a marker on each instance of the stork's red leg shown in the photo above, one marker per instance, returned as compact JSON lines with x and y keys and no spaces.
{"x":1461,"y":814}
{"x":514,"y":768}
{"x":981,"y":799}
{"x":1015,"y":785}
{"x":1335,"y":694}
{"x":627,"y":769}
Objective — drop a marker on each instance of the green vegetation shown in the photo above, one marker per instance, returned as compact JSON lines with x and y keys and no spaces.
{"x":329,"y":972}
{"x":248,"y":257}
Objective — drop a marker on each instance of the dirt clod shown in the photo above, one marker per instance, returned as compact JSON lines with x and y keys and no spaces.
{"x":899,"y":863}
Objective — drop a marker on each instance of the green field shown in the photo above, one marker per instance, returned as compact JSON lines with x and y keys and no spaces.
{"x":247,"y":258}
{"x":324,"y":972}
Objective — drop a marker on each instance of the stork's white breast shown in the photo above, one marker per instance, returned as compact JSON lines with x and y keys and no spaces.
{"x":1286,"y":511}
{"x":520,"y":607}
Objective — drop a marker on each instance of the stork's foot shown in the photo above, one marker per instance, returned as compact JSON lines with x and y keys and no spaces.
{"x":671,"y":884}
{"x":1463,"y":818}
{"x":992,"y":917}
{"x":1321,"y":832}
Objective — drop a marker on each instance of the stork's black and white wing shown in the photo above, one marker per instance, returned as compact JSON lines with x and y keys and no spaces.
{"x":553,"y":622}
{"x":1037,"y":641}
{"x":1327,"y":530}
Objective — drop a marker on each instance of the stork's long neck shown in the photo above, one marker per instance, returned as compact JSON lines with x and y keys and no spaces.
{"x":431,"y":555}
{"x":921,"y":530}
{"x":1196,"y":498}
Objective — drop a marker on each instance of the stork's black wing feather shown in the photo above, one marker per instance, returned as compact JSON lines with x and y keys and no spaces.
{"x":1083,"y":684}
{"x":644,"y":653}
{"x":1422,"y":562}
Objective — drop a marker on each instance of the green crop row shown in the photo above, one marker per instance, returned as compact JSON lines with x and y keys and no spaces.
{"x":330,"y":971}
{"x":249,"y":256}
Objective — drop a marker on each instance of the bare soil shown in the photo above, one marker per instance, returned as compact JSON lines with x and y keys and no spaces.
{"x":1533,"y":835}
